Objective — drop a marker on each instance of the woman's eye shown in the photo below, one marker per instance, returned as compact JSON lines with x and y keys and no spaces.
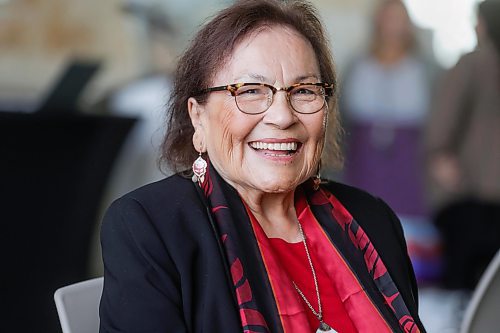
{"x":251,"y":91}
{"x":304,"y":91}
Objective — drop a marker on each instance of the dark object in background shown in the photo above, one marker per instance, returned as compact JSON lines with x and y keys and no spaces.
{"x":64,"y":94}
{"x":470,"y":230}
{"x":53,"y":170}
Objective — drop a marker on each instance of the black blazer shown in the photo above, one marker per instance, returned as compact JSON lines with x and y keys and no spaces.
{"x":163,"y":271}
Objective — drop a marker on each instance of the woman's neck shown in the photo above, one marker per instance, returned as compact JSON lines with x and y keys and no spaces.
{"x":390,"y":53}
{"x":275,"y":213}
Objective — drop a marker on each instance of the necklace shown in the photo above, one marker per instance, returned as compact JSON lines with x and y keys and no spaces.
{"x":323,"y":327}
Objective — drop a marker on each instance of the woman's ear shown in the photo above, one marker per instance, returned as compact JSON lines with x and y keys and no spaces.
{"x":194,"y":109}
{"x":195,"y":113}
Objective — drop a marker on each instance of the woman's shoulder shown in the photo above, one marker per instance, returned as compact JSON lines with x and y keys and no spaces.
{"x":170,"y":188}
{"x":163,"y":214}
{"x":171,"y":198}
{"x":370,"y":211}
{"x":350,"y":194}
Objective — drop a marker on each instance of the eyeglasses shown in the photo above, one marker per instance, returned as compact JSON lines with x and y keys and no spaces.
{"x":255,"y":98}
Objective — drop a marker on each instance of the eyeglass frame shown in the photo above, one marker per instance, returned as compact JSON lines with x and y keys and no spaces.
{"x":233,"y":88}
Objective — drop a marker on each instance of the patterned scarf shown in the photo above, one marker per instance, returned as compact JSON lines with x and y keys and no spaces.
{"x":254,"y":295}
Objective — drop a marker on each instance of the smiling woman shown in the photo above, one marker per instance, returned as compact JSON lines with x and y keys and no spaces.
{"x":255,"y":241}
{"x":227,"y":134}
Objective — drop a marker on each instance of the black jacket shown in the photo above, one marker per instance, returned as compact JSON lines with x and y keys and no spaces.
{"x":163,"y":271}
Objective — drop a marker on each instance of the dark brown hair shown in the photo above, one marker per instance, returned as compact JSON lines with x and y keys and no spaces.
{"x":410,"y":43}
{"x":210,"y":50}
{"x":489,"y":10}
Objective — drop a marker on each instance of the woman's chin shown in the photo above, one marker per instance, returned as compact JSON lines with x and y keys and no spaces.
{"x":277,"y":185}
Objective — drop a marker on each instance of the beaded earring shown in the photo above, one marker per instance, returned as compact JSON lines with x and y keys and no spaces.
{"x":199,"y":170}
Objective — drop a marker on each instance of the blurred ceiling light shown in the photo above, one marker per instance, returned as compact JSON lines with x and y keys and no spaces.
{"x":452,"y":22}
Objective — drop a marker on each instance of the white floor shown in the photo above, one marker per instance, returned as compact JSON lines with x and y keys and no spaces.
{"x":441,"y":311}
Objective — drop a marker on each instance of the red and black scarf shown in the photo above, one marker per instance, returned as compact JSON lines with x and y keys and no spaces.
{"x":250,"y":276}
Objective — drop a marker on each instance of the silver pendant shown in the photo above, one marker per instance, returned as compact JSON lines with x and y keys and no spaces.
{"x":324,"y":327}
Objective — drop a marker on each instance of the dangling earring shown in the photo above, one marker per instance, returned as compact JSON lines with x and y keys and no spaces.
{"x":317,"y":179}
{"x":199,"y":170}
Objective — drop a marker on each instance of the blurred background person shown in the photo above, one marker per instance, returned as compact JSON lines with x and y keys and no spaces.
{"x":463,"y":146}
{"x":384,"y":103}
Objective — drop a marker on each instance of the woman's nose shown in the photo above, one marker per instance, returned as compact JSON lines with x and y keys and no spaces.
{"x":280,"y":114}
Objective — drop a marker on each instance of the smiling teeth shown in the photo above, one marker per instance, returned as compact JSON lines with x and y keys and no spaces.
{"x":274,"y":146}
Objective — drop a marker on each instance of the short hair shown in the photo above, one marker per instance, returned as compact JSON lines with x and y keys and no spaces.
{"x":410,"y":43}
{"x":489,"y":10}
{"x":210,"y":50}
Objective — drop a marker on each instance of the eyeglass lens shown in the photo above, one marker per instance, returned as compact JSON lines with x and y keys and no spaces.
{"x":255,"y":99}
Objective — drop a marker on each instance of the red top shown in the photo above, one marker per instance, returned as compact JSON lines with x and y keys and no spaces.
{"x":346,"y":305}
{"x":294,"y":259}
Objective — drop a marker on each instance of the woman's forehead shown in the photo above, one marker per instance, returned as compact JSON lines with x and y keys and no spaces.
{"x":268,"y":52}
{"x":255,"y":77}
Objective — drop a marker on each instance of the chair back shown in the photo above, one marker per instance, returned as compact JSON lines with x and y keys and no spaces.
{"x":482,"y":314}
{"x":78,"y":306}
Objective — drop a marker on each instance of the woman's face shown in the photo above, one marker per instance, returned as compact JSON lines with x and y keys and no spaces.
{"x":242,"y":147}
{"x":393,"y":23}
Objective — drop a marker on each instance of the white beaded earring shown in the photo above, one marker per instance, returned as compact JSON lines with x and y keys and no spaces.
{"x":199,"y":170}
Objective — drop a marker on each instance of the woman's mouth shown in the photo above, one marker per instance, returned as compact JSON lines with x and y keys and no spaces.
{"x":276,"y":149}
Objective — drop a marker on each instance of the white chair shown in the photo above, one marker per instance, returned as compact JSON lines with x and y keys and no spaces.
{"x":78,"y":306}
{"x":482,"y":314}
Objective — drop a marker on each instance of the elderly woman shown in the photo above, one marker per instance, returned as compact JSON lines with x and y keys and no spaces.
{"x":254,"y":241}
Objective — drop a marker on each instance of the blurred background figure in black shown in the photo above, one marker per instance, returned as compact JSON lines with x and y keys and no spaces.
{"x":385,"y":100}
{"x":463,"y":144}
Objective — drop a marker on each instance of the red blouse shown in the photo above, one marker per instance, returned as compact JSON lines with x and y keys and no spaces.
{"x":294,"y":259}
{"x":346,"y":306}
